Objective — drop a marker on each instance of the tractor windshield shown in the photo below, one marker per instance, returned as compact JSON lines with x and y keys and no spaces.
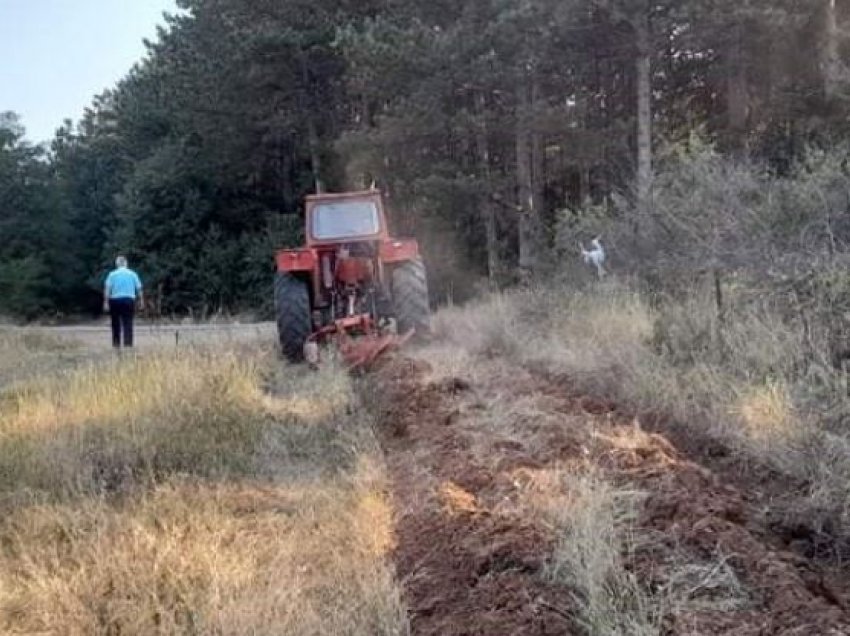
{"x":345,"y":219}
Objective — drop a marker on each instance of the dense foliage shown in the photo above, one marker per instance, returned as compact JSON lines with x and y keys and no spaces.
{"x":492,"y":125}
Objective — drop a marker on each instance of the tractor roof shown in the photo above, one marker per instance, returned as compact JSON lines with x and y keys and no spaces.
{"x":333,"y":196}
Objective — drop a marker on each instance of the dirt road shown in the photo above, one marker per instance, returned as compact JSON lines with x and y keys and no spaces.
{"x":96,"y":337}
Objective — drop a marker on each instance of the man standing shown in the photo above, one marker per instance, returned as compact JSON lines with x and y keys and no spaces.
{"x":119,"y":299}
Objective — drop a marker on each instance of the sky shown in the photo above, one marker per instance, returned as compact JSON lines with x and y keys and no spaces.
{"x":56,"y":55}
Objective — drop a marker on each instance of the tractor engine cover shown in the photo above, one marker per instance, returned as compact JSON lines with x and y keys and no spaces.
{"x":353,"y":271}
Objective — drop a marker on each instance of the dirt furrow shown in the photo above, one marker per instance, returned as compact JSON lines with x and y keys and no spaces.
{"x":461,"y":454}
{"x":465,"y":569}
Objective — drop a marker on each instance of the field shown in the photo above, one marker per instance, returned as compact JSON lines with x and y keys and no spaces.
{"x":199,"y":490}
{"x":571,"y":478}
{"x":543,"y":465}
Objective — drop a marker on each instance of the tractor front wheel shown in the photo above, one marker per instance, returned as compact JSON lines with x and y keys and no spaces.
{"x":410,"y":298}
{"x":292,"y":305}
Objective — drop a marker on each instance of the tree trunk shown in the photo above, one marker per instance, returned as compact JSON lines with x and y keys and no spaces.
{"x":525,"y":184}
{"x":737,"y":98}
{"x":315,"y":156}
{"x":831,"y":61}
{"x":286,"y":184}
{"x":312,"y":131}
{"x":538,"y":163}
{"x":582,"y":120}
{"x":644,"y":112}
{"x":583,"y":186}
{"x":488,"y":209}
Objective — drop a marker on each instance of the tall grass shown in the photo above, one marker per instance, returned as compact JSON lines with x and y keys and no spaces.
{"x":200,"y":493}
{"x":593,"y":519}
{"x":122,"y":423}
{"x":751,"y":378}
{"x":25,"y":353}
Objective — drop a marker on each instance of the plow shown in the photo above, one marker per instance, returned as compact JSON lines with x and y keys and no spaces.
{"x":352,"y":286}
{"x":361,"y":353}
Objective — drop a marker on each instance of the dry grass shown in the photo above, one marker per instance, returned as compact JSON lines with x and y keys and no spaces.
{"x":599,"y":545}
{"x":115,"y":425}
{"x":591,"y":335}
{"x":490,"y":327}
{"x":25,"y":353}
{"x":205,"y":493}
{"x":593,"y":520}
{"x":754,"y":381}
{"x":191,"y":558}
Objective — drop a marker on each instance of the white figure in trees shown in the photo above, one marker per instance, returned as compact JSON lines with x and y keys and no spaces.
{"x":595,"y":256}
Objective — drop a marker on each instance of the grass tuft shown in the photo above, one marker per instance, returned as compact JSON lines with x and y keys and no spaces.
{"x":593,"y":521}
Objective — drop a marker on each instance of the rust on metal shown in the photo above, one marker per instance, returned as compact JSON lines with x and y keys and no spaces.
{"x":361,"y":353}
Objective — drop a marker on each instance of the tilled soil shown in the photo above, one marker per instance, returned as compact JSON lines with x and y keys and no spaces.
{"x":461,"y":452}
{"x":465,"y":570}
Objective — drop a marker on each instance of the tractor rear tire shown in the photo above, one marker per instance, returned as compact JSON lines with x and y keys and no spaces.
{"x":410,"y":298}
{"x":292,"y":305}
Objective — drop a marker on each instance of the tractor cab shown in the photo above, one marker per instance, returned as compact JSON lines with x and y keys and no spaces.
{"x":354,"y":217}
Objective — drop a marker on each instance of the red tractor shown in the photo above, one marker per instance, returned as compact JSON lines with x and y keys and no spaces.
{"x":351,"y":279}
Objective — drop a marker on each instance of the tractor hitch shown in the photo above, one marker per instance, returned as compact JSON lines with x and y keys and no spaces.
{"x":358,"y":352}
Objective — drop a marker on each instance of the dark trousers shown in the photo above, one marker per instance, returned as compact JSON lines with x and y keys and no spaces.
{"x":121,"y":311}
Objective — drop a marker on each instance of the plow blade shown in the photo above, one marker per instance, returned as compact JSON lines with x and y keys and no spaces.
{"x":361,"y":353}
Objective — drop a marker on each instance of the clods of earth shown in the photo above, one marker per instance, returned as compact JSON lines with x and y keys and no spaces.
{"x":468,"y":456}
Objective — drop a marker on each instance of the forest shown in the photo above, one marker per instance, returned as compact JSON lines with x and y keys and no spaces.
{"x":694,"y":136}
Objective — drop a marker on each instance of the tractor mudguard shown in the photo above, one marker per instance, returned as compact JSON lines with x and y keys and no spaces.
{"x":303,"y":260}
{"x":399,"y":250}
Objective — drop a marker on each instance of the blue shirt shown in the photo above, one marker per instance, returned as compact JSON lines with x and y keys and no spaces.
{"x":123,"y":283}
